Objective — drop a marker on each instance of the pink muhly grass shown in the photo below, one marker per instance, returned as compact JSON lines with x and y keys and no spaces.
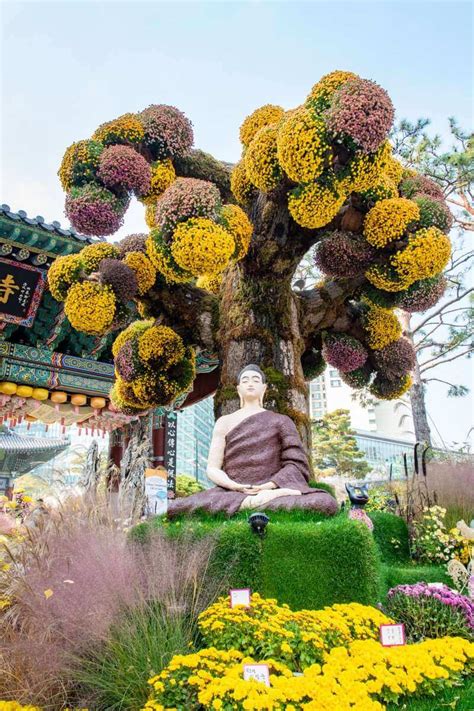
{"x":71,"y":580}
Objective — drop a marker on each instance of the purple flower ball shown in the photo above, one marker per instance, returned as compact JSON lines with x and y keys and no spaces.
{"x":362,"y":110}
{"x":167,"y":131}
{"x":120,"y":278}
{"x":124,"y":363}
{"x":343,"y":352}
{"x":343,"y":254}
{"x":185,"y":198}
{"x":395,"y":360}
{"x":424,"y":294}
{"x":123,"y":167}
{"x":95,"y":211}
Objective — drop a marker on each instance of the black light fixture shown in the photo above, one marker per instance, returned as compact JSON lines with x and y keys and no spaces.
{"x":258,"y":522}
{"x":358,"y":495}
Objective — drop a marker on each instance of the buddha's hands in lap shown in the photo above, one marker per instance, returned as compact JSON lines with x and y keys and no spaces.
{"x":263,"y":497}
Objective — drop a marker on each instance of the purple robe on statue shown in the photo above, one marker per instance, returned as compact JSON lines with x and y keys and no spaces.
{"x":264,"y":447}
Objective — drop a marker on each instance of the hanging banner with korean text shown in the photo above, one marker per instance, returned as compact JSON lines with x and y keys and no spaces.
{"x":21,"y":288}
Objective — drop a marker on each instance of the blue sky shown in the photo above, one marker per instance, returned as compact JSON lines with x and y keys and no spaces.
{"x":69,"y":66}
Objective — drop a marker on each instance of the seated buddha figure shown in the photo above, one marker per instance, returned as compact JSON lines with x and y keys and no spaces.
{"x":256,"y":460}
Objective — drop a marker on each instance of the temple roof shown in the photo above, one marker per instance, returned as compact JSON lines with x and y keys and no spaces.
{"x":21,"y":219}
{"x":19,"y":454}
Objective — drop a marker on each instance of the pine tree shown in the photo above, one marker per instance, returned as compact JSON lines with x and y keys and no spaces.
{"x":335,"y":446}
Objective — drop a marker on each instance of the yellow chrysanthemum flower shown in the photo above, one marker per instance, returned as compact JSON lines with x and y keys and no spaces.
{"x":93,"y":254}
{"x":64,"y":272}
{"x":163,"y":175}
{"x":199,"y":246}
{"x":382,"y":327}
{"x":211,"y":283}
{"x":303,"y":148}
{"x":426,"y":255}
{"x":143,"y":268}
{"x":162,"y":259}
{"x":315,"y":205}
{"x":324,"y":89}
{"x":134,"y":329}
{"x":365,"y":169}
{"x":90,"y":307}
{"x":263,"y":116}
{"x":161,"y":343}
{"x":388,"y":220}
{"x":242,"y":188}
{"x":240,"y":227}
{"x":124,"y":129}
{"x":261,"y":159}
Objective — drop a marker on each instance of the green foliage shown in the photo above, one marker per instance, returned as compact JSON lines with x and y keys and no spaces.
{"x":411,"y":574}
{"x":305,"y":559}
{"x":458,"y":698}
{"x":391,"y":535}
{"x":187,"y":485}
{"x":115,"y":674}
{"x":324,"y":486}
{"x":335,"y":446}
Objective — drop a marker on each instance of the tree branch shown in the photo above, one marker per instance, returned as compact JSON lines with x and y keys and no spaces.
{"x":441,"y":309}
{"x":423,"y":369}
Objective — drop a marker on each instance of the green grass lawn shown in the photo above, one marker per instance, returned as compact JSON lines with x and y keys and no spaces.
{"x":461,"y":698}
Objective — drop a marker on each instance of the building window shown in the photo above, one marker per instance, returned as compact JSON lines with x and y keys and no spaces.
{"x":336,"y":383}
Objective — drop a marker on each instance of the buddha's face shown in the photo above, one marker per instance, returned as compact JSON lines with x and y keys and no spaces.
{"x":251,"y":388}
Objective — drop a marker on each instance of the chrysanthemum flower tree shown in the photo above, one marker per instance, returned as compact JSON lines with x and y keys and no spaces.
{"x":215,"y":271}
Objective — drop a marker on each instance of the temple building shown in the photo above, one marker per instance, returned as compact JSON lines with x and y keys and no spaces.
{"x":49,"y":372}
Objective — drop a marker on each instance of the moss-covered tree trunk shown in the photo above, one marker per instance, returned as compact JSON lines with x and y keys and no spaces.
{"x":259,"y":323}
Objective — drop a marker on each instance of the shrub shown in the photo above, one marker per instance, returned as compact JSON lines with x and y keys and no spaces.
{"x":304,"y":560}
{"x":187,"y":485}
{"x":391,"y":536}
{"x":430,"y":610}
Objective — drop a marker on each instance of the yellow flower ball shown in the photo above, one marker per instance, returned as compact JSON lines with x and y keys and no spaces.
{"x":242,"y":188}
{"x":162,"y":259}
{"x":392,"y":393}
{"x":383,"y":190}
{"x":63,"y":272}
{"x":143,"y":268}
{"x":132,"y":331}
{"x":382,"y":327}
{"x":261,"y":159}
{"x":394,"y":170}
{"x":366,"y":169}
{"x":124,"y":129}
{"x":161,"y":344}
{"x":92,"y":255}
{"x":426,"y":255}
{"x":238,"y":224}
{"x":303,"y":148}
{"x":163,"y":175}
{"x":84,"y":153}
{"x":384,"y":277}
{"x":90,"y":307}
{"x":323,"y":90}
{"x":315,"y":205}
{"x":150,"y":215}
{"x":388,"y":220}
{"x":199,"y":246}
{"x":263,"y":116}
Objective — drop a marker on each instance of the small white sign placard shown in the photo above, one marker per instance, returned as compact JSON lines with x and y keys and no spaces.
{"x":392,"y":635}
{"x":258,"y":672}
{"x":240,"y":596}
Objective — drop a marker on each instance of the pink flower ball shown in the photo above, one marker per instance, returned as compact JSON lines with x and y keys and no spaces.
{"x":362,"y":110}
{"x":124,"y":168}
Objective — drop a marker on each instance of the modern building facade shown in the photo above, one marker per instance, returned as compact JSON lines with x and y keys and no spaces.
{"x":384,"y":428}
{"x":194,"y":432}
